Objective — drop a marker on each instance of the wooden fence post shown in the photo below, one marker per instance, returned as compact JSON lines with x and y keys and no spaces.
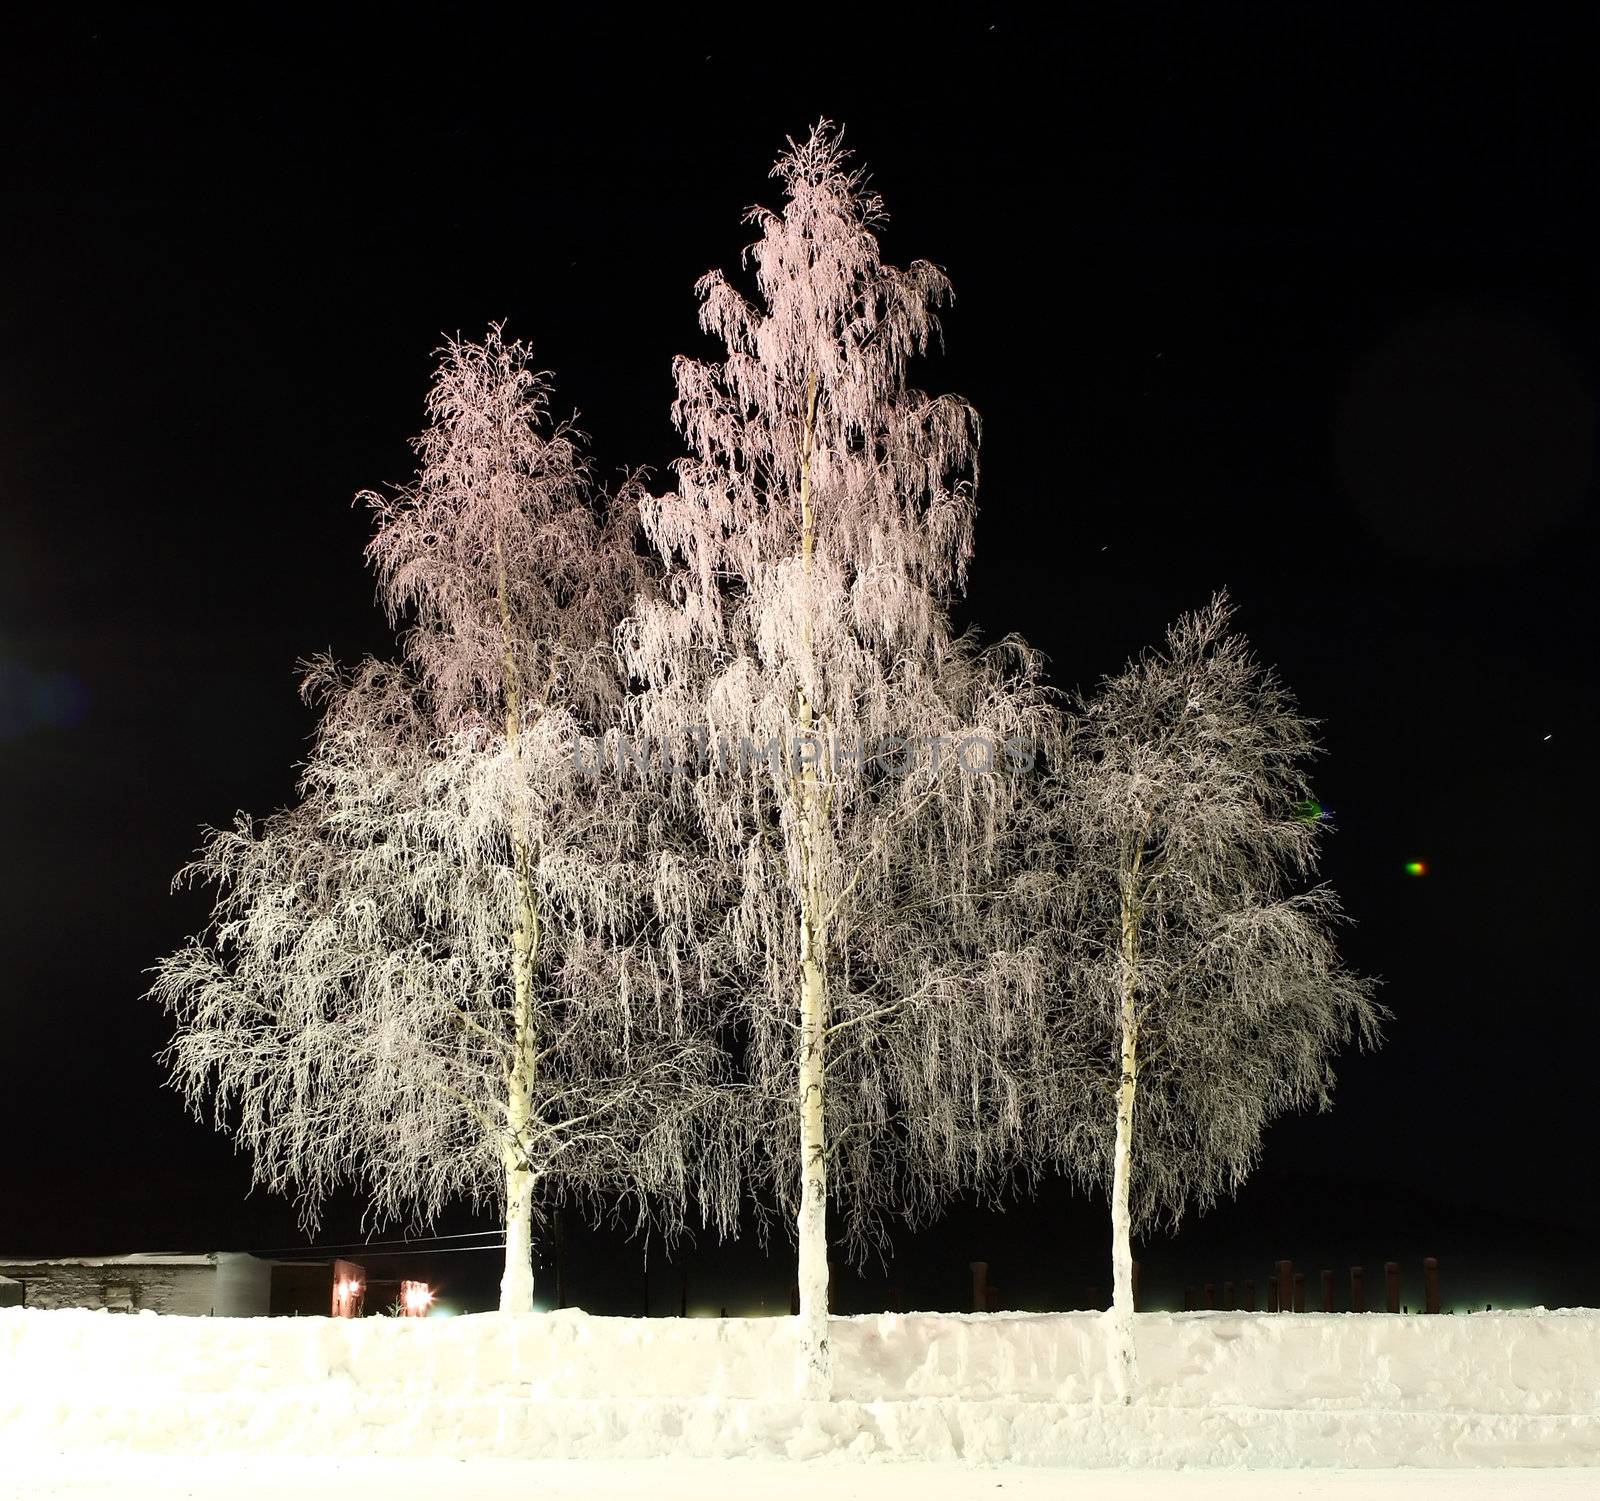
{"x":1358,"y":1289}
{"x":1285,"y":1287}
{"x":1299,"y":1292}
{"x":1327,"y":1291}
{"x":980,"y":1286}
{"x":1272,"y":1294}
{"x":1391,"y":1278}
{"x":1249,"y":1294}
{"x":1229,"y":1298}
{"x":1430,"y":1281}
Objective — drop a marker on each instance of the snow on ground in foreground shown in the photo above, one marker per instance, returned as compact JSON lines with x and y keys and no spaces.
{"x":220,"y":1478}
{"x":1270,"y":1392}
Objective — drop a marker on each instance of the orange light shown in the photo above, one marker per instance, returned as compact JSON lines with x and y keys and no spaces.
{"x":418,"y":1295}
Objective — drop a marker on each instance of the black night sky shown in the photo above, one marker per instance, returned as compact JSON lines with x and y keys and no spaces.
{"x":1300,"y":301}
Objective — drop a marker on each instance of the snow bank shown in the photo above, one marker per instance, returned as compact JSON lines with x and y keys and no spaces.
{"x":1263,"y":1390}
{"x":162,"y":1477}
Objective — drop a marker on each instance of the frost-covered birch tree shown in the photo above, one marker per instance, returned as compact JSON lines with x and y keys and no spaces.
{"x":856,"y":768}
{"x":444,"y":973}
{"x":1203,"y":990}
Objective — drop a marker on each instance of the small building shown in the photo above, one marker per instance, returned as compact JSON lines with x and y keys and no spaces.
{"x":229,"y":1284}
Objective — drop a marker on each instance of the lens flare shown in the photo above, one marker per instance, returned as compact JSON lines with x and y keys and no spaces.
{"x":416,"y":1297}
{"x":1416,"y":867}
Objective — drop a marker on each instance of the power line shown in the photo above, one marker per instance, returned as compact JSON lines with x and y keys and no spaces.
{"x":442,"y":1251}
{"x":413,"y":1241}
{"x":385,"y":1255}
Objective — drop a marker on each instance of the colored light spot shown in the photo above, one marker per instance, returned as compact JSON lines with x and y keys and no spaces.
{"x":1416,"y":867}
{"x":1310,"y":811}
{"x":416,"y":1297}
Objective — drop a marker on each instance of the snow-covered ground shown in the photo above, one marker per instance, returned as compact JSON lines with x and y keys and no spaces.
{"x":168,"y":1478}
{"x":1267,"y":1392}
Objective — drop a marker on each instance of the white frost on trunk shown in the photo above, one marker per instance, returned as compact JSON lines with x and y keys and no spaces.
{"x":1124,"y":1369}
{"x":816,"y":1366}
{"x":516,"y":1282}
{"x":811,"y":1226}
{"x":1123,"y":1364}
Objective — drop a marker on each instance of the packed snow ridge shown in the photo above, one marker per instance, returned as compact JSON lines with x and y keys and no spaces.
{"x":1214,"y":1388}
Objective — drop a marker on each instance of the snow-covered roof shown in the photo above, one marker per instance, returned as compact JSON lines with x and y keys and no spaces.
{"x":136,"y":1258}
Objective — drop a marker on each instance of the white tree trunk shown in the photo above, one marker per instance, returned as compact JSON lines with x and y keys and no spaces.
{"x":814,"y":1380}
{"x":815,"y":1376}
{"x":516,"y":1285}
{"x":1124,"y":1372}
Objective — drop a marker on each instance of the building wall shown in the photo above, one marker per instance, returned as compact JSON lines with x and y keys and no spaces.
{"x":181,"y":1289}
{"x":243,"y":1286}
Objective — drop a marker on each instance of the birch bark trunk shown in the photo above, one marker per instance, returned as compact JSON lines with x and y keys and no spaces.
{"x":1124,"y":1363}
{"x":516,"y":1284}
{"x":815,"y":1374}
{"x":815,"y":1380}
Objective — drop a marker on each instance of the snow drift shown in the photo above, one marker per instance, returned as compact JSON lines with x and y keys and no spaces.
{"x":1310,"y":1389}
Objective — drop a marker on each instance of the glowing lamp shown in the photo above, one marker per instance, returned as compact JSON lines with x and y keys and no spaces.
{"x":416,"y":1297}
{"x":1416,"y":867}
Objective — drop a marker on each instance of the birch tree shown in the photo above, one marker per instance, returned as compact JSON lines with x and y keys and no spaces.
{"x":1203,"y":987}
{"x":443,"y":973}
{"x":854,"y":773}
